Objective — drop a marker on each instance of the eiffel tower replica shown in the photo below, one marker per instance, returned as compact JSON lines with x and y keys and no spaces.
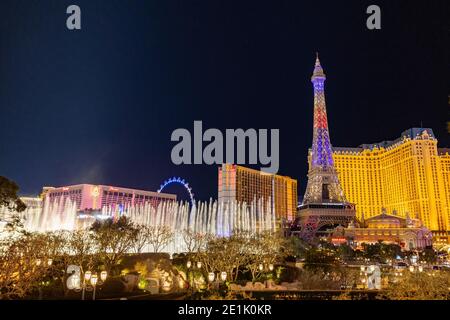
{"x":324,"y":205}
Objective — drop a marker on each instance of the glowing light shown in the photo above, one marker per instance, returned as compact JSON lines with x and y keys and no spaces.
{"x":95,"y":192}
{"x":94,"y":279}
{"x":211,"y":276}
{"x":181,"y":181}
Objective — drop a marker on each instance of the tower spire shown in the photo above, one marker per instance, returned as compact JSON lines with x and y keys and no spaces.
{"x":318,"y":71}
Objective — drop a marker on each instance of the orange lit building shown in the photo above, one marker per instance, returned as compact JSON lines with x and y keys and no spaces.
{"x":237,"y":183}
{"x":408,"y":175}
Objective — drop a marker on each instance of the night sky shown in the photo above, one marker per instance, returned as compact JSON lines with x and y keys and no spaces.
{"x":99,"y":105}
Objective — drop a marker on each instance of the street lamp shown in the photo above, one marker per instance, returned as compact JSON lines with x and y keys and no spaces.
{"x":189,"y":275}
{"x":86,"y":278}
{"x":211,"y":276}
{"x":271,"y":267}
{"x":223,"y":276}
{"x":103,"y":276}
{"x":94,"y":279}
{"x":49,"y":262}
{"x":199,"y":265}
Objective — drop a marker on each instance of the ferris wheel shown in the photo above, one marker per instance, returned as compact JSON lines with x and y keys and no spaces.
{"x":178,"y":180}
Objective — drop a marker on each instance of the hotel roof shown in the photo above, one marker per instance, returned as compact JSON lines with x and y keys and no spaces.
{"x":411,"y":133}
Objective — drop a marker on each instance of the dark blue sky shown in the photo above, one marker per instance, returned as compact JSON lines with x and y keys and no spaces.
{"x":99,"y":105}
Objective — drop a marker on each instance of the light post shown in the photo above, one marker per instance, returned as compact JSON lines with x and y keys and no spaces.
{"x":211,"y":277}
{"x":103,"y":276}
{"x":189,"y":275}
{"x":364,"y":279}
{"x":86,"y":278}
{"x":94,"y":280}
{"x":415,"y":269}
{"x":39,"y":264}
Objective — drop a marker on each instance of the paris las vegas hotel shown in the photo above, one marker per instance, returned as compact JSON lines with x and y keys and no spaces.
{"x":410,"y":175}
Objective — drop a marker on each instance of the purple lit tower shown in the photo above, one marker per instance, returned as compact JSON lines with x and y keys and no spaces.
{"x":323,"y":183}
{"x":324,"y":205}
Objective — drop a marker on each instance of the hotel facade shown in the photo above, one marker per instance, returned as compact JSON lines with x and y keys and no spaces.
{"x":89,"y":197}
{"x":410,"y":175}
{"x":237,"y":183}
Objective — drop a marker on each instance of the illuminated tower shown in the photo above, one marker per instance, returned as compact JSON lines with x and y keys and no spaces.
{"x":323,"y":183}
{"x":324,"y":206}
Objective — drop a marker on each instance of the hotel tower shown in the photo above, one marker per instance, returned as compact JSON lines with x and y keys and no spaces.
{"x":407,"y":176}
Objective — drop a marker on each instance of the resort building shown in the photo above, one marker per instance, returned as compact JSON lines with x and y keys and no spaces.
{"x":237,"y":183}
{"x":89,"y":197}
{"x":409,"y":176}
{"x":408,"y":233}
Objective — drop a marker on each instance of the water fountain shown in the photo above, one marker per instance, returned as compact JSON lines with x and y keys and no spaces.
{"x":219,"y":219}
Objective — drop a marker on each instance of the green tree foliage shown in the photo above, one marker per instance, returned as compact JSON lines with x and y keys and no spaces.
{"x":9,"y":195}
{"x":429,"y":255}
{"x":382,"y":251}
{"x":318,"y":259}
{"x":298,"y":246}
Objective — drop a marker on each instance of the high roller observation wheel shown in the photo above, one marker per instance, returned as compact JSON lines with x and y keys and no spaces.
{"x":180,"y":181}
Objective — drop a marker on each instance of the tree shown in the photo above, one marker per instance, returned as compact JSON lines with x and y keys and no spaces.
{"x":10,"y":201}
{"x":265,"y":249}
{"x":159,"y":237}
{"x":298,"y":246}
{"x":320,"y":260}
{"x":345,"y":252}
{"x":420,"y":286}
{"x":113,"y":240}
{"x":141,"y":238}
{"x":429,"y":255}
{"x":9,"y":195}
{"x":194,"y":241}
{"x":382,"y":251}
{"x":23,"y":264}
